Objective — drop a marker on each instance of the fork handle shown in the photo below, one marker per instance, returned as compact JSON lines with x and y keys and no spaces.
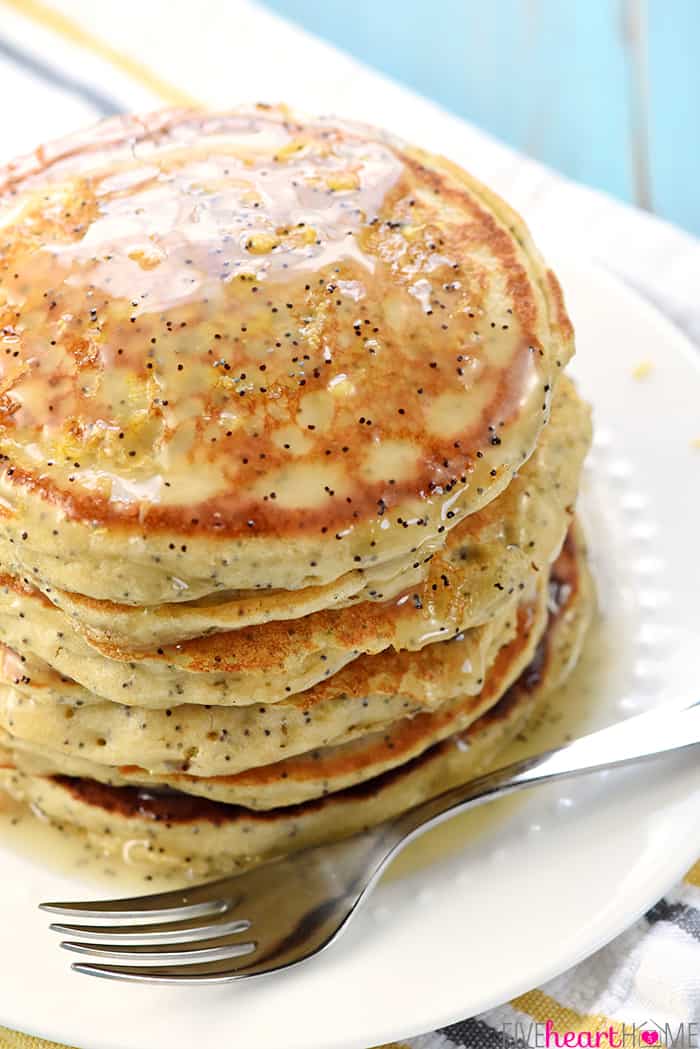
{"x":672,"y":727}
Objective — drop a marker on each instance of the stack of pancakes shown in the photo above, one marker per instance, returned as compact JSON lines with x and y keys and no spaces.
{"x":289,"y":465}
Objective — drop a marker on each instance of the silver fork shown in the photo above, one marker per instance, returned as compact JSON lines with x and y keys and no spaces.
{"x":288,"y":910}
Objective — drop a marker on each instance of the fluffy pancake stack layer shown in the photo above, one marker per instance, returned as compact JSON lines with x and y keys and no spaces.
{"x":289,"y":467}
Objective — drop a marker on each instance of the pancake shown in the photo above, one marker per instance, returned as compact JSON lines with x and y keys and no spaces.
{"x":485,"y":557}
{"x":31,"y":626}
{"x":43,"y":709}
{"x":248,"y":351}
{"x":148,"y":625}
{"x":326,"y":770}
{"x":209,"y":837}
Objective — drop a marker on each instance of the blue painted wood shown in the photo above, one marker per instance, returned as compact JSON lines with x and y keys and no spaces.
{"x":674,"y":74}
{"x":550,"y":77}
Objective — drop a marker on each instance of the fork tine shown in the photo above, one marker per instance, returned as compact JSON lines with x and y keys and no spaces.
{"x":156,"y":932}
{"x":171,"y":974}
{"x":86,"y":910}
{"x":175,"y":953}
{"x":179,"y":903}
{"x":260,"y":963}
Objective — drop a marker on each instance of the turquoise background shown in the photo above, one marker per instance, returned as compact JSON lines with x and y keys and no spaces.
{"x":606,"y":91}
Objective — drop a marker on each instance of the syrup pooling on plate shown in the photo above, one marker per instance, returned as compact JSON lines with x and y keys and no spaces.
{"x":248,"y":326}
{"x":68,"y":852}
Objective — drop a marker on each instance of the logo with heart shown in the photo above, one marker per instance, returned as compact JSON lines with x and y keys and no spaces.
{"x":650,"y":1037}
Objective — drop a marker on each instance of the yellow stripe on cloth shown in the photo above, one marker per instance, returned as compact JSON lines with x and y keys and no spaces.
{"x":72,"y":31}
{"x":17,"y":1040}
{"x":540,"y":1007}
{"x":693,"y":875}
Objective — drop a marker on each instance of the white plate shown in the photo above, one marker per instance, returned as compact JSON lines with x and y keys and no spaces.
{"x":521,"y":892}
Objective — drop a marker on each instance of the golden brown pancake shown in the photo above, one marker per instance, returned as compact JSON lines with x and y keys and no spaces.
{"x":31,"y":626}
{"x":321,"y":770}
{"x":44,"y":709}
{"x":210,"y":837}
{"x":326,"y":770}
{"x":487,"y":558}
{"x":484,"y":559}
{"x":246,"y":350}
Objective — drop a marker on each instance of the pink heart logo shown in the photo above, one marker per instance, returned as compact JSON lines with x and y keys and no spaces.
{"x":650,"y":1037}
